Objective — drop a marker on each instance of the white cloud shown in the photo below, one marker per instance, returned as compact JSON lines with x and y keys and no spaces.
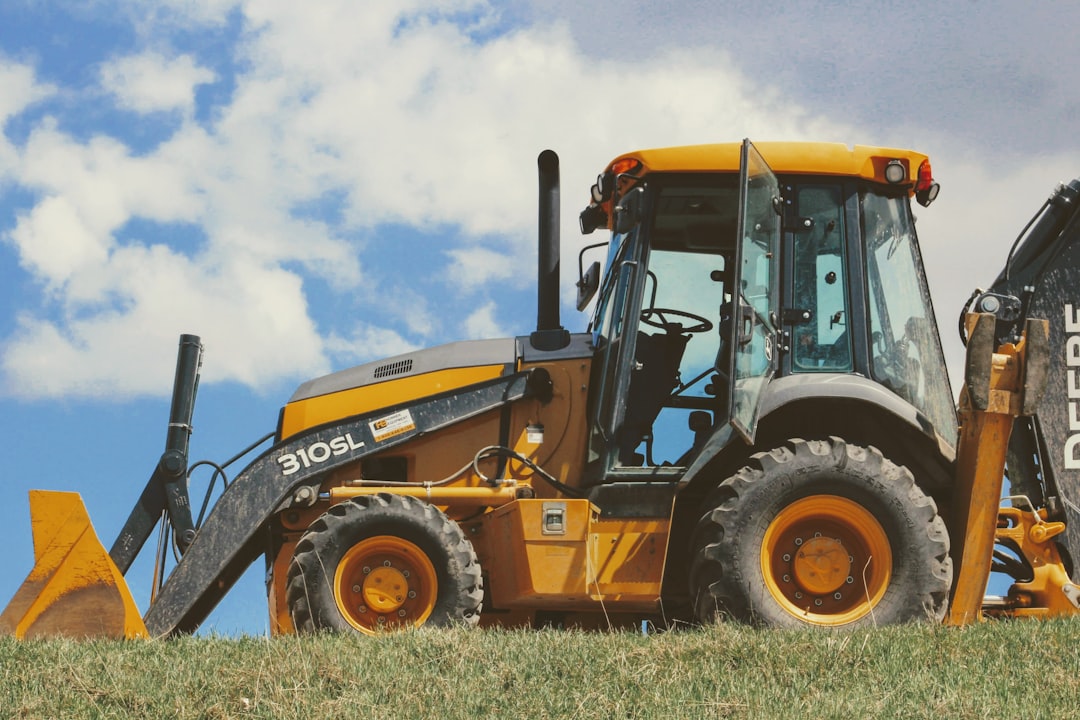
{"x":108,"y":184}
{"x":471,"y":267}
{"x":151,"y":82}
{"x":368,"y":343}
{"x":426,"y":126}
{"x":55,"y":242}
{"x":19,"y":89}
{"x":252,"y":319}
{"x":343,"y":119}
{"x":482,"y":323}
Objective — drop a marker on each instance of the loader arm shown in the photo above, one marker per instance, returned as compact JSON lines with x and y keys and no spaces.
{"x":230,"y":539}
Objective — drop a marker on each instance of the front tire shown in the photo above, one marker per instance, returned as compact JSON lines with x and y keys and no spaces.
{"x":820,"y":533}
{"x":383,"y":562}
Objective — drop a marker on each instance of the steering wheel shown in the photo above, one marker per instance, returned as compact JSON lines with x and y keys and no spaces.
{"x":657,"y":318}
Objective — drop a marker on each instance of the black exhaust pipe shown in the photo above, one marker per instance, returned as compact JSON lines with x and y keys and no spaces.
{"x":550,"y":334}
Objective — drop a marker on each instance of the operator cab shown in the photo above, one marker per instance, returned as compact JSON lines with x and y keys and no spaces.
{"x":721,"y":277}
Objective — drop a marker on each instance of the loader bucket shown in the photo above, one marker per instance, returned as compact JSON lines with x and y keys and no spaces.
{"x":74,"y":589}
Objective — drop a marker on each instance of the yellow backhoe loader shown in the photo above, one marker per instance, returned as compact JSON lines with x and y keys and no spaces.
{"x":757,"y":423}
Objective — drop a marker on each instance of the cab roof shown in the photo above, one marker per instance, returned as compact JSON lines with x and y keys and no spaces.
{"x":785,"y":158}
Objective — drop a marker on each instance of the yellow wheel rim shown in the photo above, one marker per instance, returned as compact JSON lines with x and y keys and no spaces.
{"x":385,"y":582}
{"x":826,"y":560}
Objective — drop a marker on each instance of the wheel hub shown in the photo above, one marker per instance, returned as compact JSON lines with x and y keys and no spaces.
{"x":385,"y":589}
{"x":383,"y":582}
{"x":821,"y":565}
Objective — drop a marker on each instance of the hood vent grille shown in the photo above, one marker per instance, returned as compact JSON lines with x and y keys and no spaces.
{"x":395,"y":368}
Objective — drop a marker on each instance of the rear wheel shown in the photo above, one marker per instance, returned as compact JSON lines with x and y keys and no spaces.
{"x":382,"y":562}
{"x":820,"y":533}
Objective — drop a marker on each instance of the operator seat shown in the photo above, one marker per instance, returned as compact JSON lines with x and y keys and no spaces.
{"x":656,"y":375}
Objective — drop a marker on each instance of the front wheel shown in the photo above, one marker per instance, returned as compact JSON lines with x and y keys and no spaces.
{"x":820,"y":533}
{"x":382,"y":562}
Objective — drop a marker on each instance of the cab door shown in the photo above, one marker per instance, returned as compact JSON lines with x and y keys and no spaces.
{"x":753,"y":316}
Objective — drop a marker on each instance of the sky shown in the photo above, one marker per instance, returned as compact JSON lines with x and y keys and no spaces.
{"x":309,"y":186}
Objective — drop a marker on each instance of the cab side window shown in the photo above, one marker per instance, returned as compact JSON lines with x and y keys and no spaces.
{"x":822,"y":344}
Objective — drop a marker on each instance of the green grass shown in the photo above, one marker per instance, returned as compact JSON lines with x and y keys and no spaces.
{"x":998,"y":669}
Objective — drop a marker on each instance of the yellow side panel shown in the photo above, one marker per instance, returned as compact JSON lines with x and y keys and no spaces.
{"x":435,"y":456}
{"x":304,"y":414}
{"x":564,"y":422}
{"x":534,"y":560}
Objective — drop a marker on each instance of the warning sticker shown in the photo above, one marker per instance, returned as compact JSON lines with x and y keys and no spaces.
{"x":391,"y":425}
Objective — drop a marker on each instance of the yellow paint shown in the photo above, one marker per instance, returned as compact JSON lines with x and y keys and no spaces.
{"x":788,"y":158}
{"x":592,"y":561}
{"x":74,"y":589}
{"x":385,"y":582}
{"x":980,"y":465}
{"x":470,"y":497}
{"x":1044,"y":595}
{"x":280,"y":620}
{"x":627,"y":555}
{"x":303,"y":414}
{"x":826,"y":560}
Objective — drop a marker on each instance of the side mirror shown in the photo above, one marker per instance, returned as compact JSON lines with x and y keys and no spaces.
{"x":587,"y":285}
{"x":591,"y":218}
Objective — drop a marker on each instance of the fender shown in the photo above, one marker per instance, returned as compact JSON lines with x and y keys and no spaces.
{"x":782,"y":393}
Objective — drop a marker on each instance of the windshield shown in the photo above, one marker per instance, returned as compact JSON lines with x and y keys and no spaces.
{"x":906,"y":350}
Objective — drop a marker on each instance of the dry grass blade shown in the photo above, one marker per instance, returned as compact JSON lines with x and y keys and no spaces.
{"x":724,"y":671}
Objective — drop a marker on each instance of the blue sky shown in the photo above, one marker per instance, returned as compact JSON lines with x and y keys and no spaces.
{"x":312,"y":185}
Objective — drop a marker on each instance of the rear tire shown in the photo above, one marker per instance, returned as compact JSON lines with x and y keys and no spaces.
{"x":383,"y":562}
{"x":820,"y":533}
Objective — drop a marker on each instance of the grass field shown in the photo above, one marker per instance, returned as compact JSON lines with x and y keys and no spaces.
{"x":998,"y":669}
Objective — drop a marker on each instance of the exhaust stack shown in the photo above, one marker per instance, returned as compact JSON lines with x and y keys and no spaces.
{"x":550,"y":334}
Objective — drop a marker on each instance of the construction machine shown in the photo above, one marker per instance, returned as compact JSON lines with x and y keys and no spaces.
{"x":757,"y":423}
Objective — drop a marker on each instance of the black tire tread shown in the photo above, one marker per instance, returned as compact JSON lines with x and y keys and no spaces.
{"x":309,"y":593}
{"x":722,"y":584}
